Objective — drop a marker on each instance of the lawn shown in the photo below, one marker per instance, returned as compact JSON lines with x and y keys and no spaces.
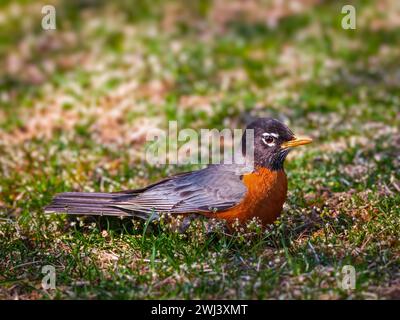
{"x":77,"y":102}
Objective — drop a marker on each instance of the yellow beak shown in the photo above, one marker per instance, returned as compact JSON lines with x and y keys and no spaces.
{"x":296,"y":142}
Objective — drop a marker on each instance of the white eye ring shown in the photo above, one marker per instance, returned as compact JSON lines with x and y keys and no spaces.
{"x":267,"y":135}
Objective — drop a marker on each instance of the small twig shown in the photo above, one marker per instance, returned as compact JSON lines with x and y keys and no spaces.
{"x":25,"y":264}
{"x":314,"y":252}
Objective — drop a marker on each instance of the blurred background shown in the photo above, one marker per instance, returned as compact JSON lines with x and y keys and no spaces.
{"x":112,"y":71}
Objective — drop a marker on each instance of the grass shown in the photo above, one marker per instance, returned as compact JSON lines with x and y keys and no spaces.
{"x":76,"y":104}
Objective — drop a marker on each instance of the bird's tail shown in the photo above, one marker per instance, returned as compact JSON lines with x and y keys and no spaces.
{"x":87,"y":203}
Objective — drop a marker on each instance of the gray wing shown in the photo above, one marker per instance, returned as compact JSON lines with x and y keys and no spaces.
{"x":214,"y":188}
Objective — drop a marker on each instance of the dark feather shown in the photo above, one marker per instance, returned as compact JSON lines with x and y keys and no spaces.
{"x":214,"y":188}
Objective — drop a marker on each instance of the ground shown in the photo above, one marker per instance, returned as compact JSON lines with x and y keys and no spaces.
{"x":78,"y":101}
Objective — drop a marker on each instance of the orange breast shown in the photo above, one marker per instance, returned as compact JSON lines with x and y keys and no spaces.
{"x":264,"y":199}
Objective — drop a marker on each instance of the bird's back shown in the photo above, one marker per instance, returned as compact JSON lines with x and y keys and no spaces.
{"x":212,"y":189}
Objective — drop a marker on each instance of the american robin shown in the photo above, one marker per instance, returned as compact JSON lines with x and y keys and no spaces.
{"x":216,"y":191}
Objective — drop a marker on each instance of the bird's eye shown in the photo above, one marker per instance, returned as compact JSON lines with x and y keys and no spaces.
{"x":269,"y":140}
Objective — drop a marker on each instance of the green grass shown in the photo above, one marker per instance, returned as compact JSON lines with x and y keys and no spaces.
{"x":113,"y":71}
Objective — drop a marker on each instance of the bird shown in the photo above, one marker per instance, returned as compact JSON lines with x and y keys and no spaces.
{"x":216,"y":191}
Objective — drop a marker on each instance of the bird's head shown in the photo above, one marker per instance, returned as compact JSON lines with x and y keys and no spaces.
{"x":273,"y":141}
